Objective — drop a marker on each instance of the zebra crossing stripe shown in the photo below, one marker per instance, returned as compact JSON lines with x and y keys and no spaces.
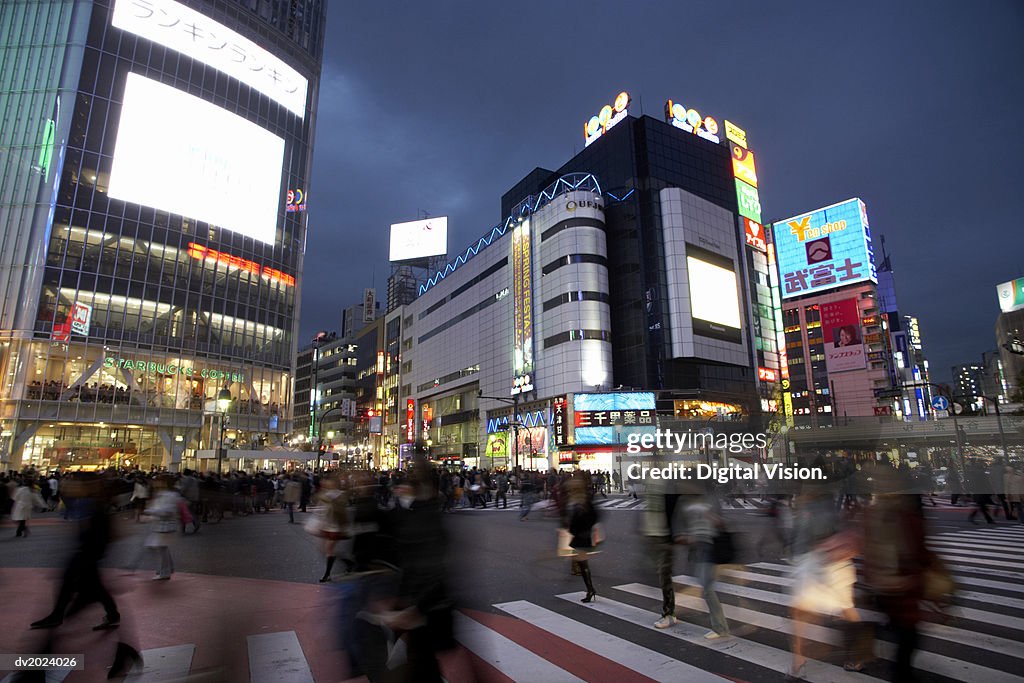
{"x":970,"y":539}
{"x":952,"y":634}
{"x":647,"y":662}
{"x":761,"y":655}
{"x":923,"y":659}
{"x":163,"y":664}
{"x":951,"y":566}
{"x":953,"y":546}
{"x":506,"y":655}
{"x":967,"y":556}
{"x":963,"y":581}
{"x":277,"y":658}
{"x":1008,"y":550}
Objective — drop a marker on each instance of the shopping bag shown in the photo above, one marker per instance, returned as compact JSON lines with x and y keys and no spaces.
{"x":564,"y":538}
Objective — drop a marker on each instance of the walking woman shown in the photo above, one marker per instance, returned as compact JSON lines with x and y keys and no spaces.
{"x":580,"y":519}
{"x":26,"y":498}
{"x":333,"y":524}
{"x":165,"y":511}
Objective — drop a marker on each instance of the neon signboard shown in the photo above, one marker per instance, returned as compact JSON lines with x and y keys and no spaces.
{"x":201,"y":253}
{"x":182,"y":29}
{"x":608,"y":117}
{"x":296,"y":201}
{"x":410,"y":420}
{"x":691,"y":121}
{"x":754,"y":234}
{"x":522,"y":307}
{"x":824,"y":249}
{"x":735,"y":134}
{"x":749,"y":201}
{"x":767,"y":374}
{"x":743,"y":165}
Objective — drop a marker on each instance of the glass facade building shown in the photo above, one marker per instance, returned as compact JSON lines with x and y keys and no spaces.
{"x":147,"y":265}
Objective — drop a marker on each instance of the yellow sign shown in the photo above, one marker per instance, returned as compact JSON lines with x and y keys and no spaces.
{"x":735,"y":134}
{"x":743,"y":165}
{"x":497,"y":446}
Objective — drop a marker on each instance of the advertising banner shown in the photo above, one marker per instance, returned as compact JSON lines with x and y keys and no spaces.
{"x":743,"y":165}
{"x":417,"y":240}
{"x":754,"y":233}
{"x":841,"y":331}
{"x":522,"y":306}
{"x":560,"y":421}
{"x":824,"y":249}
{"x":749,"y":201}
{"x":1011,"y":295}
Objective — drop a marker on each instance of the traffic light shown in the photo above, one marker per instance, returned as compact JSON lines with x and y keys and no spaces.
{"x":322,"y":448}
{"x":369,"y":412}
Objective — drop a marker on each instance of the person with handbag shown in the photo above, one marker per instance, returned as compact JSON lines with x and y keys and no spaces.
{"x":703,"y":527}
{"x":823,"y":575}
{"x":580,"y":521}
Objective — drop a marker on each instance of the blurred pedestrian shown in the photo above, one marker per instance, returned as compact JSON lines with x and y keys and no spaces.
{"x":165,"y":512}
{"x":703,"y":525}
{"x":895,"y":560}
{"x":291,"y":496}
{"x":823,"y":574}
{"x":26,"y":499}
{"x":333,"y":522}
{"x":140,"y":495}
{"x":580,"y":520}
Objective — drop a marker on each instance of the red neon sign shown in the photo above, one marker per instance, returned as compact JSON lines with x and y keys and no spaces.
{"x":766,"y":374}
{"x":410,"y":420}
{"x":201,"y":253}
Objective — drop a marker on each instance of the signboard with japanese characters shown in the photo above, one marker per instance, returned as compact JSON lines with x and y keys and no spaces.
{"x":559,"y":421}
{"x":824,"y":249}
{"x":609,"y":419}
{"x":841,"y":332}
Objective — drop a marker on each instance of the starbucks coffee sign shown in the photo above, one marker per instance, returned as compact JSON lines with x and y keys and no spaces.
{"x":156,"y":368}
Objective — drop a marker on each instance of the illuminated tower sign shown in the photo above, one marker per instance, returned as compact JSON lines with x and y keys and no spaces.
{"x":522,"y":306}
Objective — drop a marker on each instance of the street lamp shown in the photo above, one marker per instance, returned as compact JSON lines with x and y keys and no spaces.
{"x":223,"y":405}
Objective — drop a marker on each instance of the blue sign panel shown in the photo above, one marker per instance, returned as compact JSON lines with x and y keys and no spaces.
{"x":824,"y":249}
{"x":940,"y":403}
{"x":620,"y":400}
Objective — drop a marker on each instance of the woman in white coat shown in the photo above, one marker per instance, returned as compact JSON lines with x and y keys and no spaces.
{"x":164,"y":511}
{"x":26,"y":498}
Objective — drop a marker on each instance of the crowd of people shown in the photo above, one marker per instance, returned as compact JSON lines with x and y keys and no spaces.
{"x":386,"y":530}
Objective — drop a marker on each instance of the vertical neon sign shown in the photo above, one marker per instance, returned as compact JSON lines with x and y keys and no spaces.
{"x":522,"y":303}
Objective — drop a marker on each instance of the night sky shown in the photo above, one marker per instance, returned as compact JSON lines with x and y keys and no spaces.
{"x":912,"y":106}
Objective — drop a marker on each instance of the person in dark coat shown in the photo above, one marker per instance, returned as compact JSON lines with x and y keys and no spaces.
{"x":579,"y":519}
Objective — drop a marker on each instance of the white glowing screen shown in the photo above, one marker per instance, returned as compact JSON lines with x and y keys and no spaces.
{"x":713,"y":293}
{"x":191,"y":33}
{"x":419,"y":239}
{"x":178,"y":153}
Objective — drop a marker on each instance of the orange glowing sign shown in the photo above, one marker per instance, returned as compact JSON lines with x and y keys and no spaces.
{"x":743,"y":165}
{"x":201,"y":253}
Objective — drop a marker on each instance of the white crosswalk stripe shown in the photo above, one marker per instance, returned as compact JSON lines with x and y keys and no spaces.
{"x":755,"y":599}
{"x":163,"y":664}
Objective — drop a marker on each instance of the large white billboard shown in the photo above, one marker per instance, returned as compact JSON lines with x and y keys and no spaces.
{"x":178,"y":153}
{"x":713,"y":296}
{"x":419,"y":239}
{"x":195,"y":35}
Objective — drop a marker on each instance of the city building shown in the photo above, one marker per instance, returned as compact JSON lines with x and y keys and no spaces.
{"x":968,"y":386}
{"x":153,"y":215}
{"x":1010,"y":335}
{"x":838,"y":348}
{"x":632,"y":280}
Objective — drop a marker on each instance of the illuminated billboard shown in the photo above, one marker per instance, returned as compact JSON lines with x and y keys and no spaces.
{"x":842,"y":336}
{"x":419,"y":239}
{"x":749,"y":201}
{"x":714,"y":301}
{"x":743,"y":165}
{"x":522,"y":307}
{"x":754,"y":234}
{"x":609,"y":419}
{"x":177,"y":153}
{"x":184,"y":30}
{"x":734,"y":133}
{"x":824,"y":249}
{"x":691,"y":121}
{"x":606,"y":118}
{"x":1011,"y":295}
